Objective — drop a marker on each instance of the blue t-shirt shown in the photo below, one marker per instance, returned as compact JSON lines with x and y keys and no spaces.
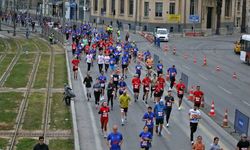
{"x":150,"y":119}
{"x":102,"y":79}
{"x":124,"y":60}
{"x":122,"y":84}
{"x":115,"y":139}
{"x":159,"y":67}
{"x":135,"y":51}
{"x":172,"y":72}
{"x":138,"y":68}
{"x":112,"y":61}
{"x":159,"y":111}
{"x":145,"y":143}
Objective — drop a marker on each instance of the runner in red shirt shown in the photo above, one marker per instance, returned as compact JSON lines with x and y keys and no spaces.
{"x":180,"y":92}
{"x":107,"y":52}
{"x":162,"y":83}
{"x":136,"y":82}
{"x":198,"y":97}
{"x":158,"y":92}
{"x":86,"y":49}
{"x":104,"y":110}
{"x":75,"y":62}
{"x":73,"y":46}
{"x":146,"y":86}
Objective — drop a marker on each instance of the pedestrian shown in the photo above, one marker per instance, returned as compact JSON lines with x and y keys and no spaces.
{"x":172,"y":73}
{"x":194,"y":117}
{"x":148,"y":117}
{"x":198,"y":145}
{"x":88,"y":82}
{"x":104,"y":110}
{"x":159,"y":111}
{"x":115,"y":139}
{"x":145,"y":138}
{"x":111,"y":92}
{"x":215,"y":145}
{"x":97,"y":92}
{"x":180,"y":87}
{"x":41,"y":145}
{"x":169,"y":100}
{"x":124,"y":101}
{"x":243,"y":144}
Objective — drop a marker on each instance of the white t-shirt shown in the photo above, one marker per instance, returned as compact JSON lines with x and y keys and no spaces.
{"x":106,"y":59}
{"x":100,"y":59}
{"x":89,"y":58}
{"x":194,"y":115}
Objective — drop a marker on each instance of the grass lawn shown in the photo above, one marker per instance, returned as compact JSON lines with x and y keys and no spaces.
{"x":43,"y":45}
{"x":13,"y":44}
{"x":9,"y":104}
{"x":3,"y":143}
{"x":26,"y":144}
{"x":42,"y":73}
{"x":2,"y":45}
{"x":19,"y":76}
{"x":28,"y":44}
{"x":5,"y":63}
{"x":34,"y":115}
{"x":61,"y":144}
{"x":60,"y":114}
{"x":60,"y":72}
{"x":57,"y":48}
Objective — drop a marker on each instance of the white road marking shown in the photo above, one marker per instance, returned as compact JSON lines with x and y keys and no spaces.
{"x":224,"y":89}
{"x":186,"y":67}
{"x":246,"y":103}
{"x":203,"y":76}
{"x":96,"y":134}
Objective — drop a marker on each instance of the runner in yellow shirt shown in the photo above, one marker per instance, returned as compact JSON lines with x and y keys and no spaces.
{"x":124,"y":101}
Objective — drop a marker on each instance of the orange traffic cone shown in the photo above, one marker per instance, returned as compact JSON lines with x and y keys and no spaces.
{"x":234,"y":75}
{"x":191,"y":94}
{"x":212,"y":112}
{"x":204,"y":60}
{"x":195,"y":60}
{"x":174,"y":50}
{"x":218,"y":68}
{"x":225,"y":120}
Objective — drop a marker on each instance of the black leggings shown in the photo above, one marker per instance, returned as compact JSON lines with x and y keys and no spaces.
{"x":106,"y":67}
{"x":172,"y":82}
{"x":89,"y":65}
{"x":110,"y":99}
{"x":100,"y":67}
{"x":168,"y":112}
{"x":193,"y":128}
{"x":97,"y":97}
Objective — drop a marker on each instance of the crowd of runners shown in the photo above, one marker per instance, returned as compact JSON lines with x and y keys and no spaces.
{"x":113,"y":56}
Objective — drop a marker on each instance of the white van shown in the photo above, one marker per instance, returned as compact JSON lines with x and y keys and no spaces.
{"x":162,"y":33}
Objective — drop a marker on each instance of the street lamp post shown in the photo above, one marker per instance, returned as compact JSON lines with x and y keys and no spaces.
{"x":218,"y":11}
{"x":14,"y":20}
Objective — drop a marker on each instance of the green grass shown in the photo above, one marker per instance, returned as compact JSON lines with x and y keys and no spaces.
{"x":34,"y":115}
{"x":28,"y":45}
{"x":44,"y":47}
{"x":26,"y":144}
{"x":9,"y":104}
{"x":42,"y":73}
{"x":3,"y":143}
{"x":19,"y":76}
{"x":13,"y":44}
{"x":61,"y":144}
{"x":60,"y":72}
{"x":60,"y":114}
{"x":5,"y":63}
{"x":2,"y":45}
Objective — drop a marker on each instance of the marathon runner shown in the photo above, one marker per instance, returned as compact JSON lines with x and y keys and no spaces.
{"x":111,"y":92}
{"x":115,"y":139}
{"x":180,"y":87}
{"x":159,"y":68}
{"x":100,"y":61}
{"x":124,"y":101}
{"x":89,"y":60}
{"x":122,"y":86}
{"x":104,"y":110}
{"x":116,"y":79}
{"x":146,"y":87}
{"x":198,"y":97}
{"x":149,"y":64}
{"x":97,"y":92}
{"x":102,"y":78}
{"x":88,"y":81}
{"x":75,"y":63}
{"x":125,"y":62}
{"x":172,"y":73}
{"x":159,"y":111}
{"x":169,"y":101}
{"x":73,"y":46}
{"x":194,"y":117}
{"x":106,"y":62}
{"x":153,"y":83}
{"x":145,"y":138}
{"x":135,"y":53}
{"x":148,"y":117}
{"x":136,"y":82}
{"x":138,"y":69}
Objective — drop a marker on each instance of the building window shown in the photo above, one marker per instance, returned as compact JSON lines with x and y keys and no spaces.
{"x":158,"y":9}
{"x":104,"y":6}
{"x":113,"y":7}
{"x":122,"y":7}
{"x":131,"y":7}
{"x":238,"y":22}
{"x":238,"y":5}
{"x":146,"y":9}
{"x":227,"y":8}
{"x":172,"y":8}
{"x":193,"y":7}
{"x":95,"y":5}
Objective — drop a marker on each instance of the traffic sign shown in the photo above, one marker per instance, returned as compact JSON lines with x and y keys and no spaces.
{"x":194,"y":18}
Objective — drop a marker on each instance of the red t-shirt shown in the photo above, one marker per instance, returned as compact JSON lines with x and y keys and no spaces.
{"x":136,"y":83}
{"x":197,"y":96}
{"x":107,"y":52}
{"x":104,"y":112}
{"x":75,"y":62}
{"x":180,"y":88}
{"x":161,"y":80}
{"x":73,"y":45}
{"x":158,"y":88}
{"x":146,"y":81}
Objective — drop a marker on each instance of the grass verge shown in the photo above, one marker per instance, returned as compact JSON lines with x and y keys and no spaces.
{"x":19,"y":76}
{"x":13,"y":44}
{"x":26,"y":144}
{"x":28,"y":45}
{"x":44,"y":47}
{"x":42,"y":73}
{"x":5,"y":63}
{"x":9,"y":104}
{"x":34,"y":115}
{"x":60,"y":71}
{"x":3,"y":143}
{"x":60,"y":114}
{"x":61,"y":144}
{"x":2,"y":45}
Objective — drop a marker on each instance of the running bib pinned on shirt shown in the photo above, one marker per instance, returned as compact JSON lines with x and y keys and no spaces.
{"x":160,"y":114}
{"x":102,"y":84}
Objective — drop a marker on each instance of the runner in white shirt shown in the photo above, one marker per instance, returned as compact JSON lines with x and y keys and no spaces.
{"x":89,"y":60}
{"x":100,"y":61}
{"x":106,"y":61}
{"x":194,"y":117}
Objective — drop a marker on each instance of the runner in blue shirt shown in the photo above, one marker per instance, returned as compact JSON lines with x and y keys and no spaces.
{"x":122,"y":85}
{"x":159,"y":68}
{"x":112,"y":63}
{"x":149,"y":120}
{"x":138,"y":69}
{"x":146,"y":54}
{"x":135,"y":53}
{"x":115,"y":139}
{"x":102,"y":80}
{"x":159,"y":111}
{"x":125,"y":62}
{"x":172,"y":73}
{"x":145,"y":138}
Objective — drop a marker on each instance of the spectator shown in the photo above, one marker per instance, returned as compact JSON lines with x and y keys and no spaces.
{"x":215,"y":145}
{"x":41,"y":145}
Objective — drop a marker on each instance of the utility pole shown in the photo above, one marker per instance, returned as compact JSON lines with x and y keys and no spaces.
{"x":218,"y":11}
{"x":14,"y":20}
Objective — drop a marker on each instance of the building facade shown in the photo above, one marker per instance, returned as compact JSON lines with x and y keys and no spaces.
{"x":176,"y":15}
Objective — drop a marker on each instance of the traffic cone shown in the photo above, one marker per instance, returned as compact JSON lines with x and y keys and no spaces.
{"x":234,"y":75}
{"x":174,"y":50}
{"x":191,"y":94}
{"x":218,"y":68}
{"x":225,"y":120}
{"x":204,"y":60}
{"x":195,"y":60}
{"x":212,"y":112}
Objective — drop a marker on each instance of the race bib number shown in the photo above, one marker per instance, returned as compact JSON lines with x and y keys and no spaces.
{"x":105,"y":114}
{"x":160,"y":67}
{"x":197,"y":99}
{"x":173,"y":74}
{"x":102,"y":84}
{"x":149,"y":122}
{"x":181,"y":92}
{"x":169,"y":104}
{"x":147,"y":88}
{"x":115,"y":79}
{"x":136,"y":86}
{"x":144,"y":143}
{"x":160,"y":114}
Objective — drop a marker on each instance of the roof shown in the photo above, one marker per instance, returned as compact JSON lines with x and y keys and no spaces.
{"x":245,"y":37}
